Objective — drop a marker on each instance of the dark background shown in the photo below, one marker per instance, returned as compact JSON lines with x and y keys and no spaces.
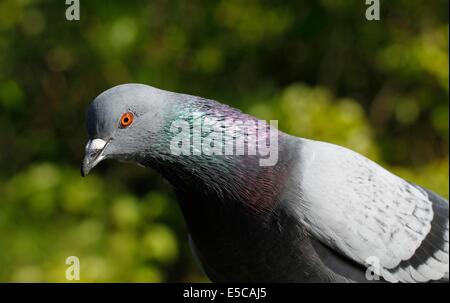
{"x":319,"y":67}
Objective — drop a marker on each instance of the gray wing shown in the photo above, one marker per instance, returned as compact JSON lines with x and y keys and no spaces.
{"x":365,"y":213}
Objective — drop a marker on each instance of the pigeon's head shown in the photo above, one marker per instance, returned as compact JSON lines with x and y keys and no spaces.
{"x":123,"y":122}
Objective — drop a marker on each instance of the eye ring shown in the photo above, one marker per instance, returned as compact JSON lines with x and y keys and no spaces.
{"x":126,"y":119}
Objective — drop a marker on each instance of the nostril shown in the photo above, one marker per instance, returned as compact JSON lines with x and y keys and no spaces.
{"x":94,"y":147}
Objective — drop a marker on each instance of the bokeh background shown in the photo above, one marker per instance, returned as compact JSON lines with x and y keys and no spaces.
{"x":319,"y":67}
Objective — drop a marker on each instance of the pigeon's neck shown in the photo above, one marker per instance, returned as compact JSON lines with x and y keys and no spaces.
{"x":239,"y":179}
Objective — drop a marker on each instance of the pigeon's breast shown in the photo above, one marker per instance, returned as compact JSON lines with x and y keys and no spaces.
{"x":237,"y":246}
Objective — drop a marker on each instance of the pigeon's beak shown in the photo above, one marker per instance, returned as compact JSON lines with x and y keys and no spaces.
{"x":94,"y":153}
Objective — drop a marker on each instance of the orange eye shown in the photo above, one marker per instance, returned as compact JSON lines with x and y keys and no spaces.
{"x":126,"y":119}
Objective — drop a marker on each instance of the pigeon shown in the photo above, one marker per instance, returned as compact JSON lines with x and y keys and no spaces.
{"x":315,"y":212}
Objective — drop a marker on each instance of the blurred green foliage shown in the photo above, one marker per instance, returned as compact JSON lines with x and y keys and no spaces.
{"x":319,"y":67}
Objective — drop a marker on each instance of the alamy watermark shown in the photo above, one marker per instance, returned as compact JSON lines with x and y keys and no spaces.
{"x":225,"y":137}
{"x":373,"y":268}
{"x":373,"y":10}
{"x":73,"y":10}
{"x":73,"y":271}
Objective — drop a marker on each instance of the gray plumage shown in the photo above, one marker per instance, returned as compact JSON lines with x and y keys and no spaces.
{"x":318,"y":215}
